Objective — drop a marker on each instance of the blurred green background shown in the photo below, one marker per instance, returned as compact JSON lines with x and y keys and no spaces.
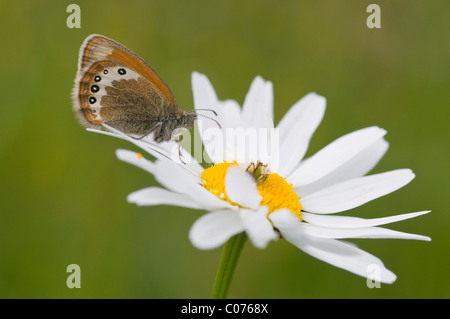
{"x":63,"y":191}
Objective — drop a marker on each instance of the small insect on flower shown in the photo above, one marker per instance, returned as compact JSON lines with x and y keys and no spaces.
{"x":259,"y":171}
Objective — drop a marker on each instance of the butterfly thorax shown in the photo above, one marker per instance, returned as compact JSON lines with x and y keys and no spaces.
{"x":166,"y":128}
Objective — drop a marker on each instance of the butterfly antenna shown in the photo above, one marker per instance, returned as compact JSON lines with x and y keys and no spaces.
{"x":210,"y":118}
{"x":195,"y":111}
{"x":217,"y":122}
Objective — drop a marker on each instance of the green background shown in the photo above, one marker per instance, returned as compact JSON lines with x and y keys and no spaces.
{"x":63,"y":191}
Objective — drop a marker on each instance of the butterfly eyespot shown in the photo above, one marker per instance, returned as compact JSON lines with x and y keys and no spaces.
{"x":94,"y":111}
{"x":122,"y":71}
{"x":97,"y":79}
{"x":105,"y":71}
{"x":95,"y":88}
{"x":92,"y":100}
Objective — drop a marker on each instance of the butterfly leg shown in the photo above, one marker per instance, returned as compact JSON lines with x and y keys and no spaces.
{"x":146,"y":134}
{"x":180,"y":155}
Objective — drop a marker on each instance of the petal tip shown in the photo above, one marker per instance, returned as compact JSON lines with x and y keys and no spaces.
{"x":196,"y":74}
{"x":124,"y":155}
{"x":131,"y":200}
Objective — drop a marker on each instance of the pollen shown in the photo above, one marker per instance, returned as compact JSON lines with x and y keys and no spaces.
{"x":278,"y":194}
{"x":275,"y":191}
{"x":213,"y":179}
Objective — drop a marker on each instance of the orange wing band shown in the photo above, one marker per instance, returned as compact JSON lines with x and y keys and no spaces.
{"x":88,"y":49}
{"x":142,"y":68}
{"x":84,"y":87}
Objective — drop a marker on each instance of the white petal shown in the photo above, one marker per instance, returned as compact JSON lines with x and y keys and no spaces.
{"x":355,"y":222}
{"x":334,"y":252}
{"x":152,"y":196}
{"x":296,"y":129}
{"x":284,"y":218}
{"x":334,"y":155}
{"x":211,"y":134}
{"x":258,"y":104}
{"x":136,"y":160}
{"x":258,"y":227}
{"x":360,"y":165}
{"x":204,"y":95}
{"x":363,"y":232}
{"x":214,"y":229}
{"x":150,"y":147}
{"x":229,"y":114}
{"x":182,"y":157}
{"x":218,"y":144}
{"x":355,"y":192}
{"x":173,"y":177}
{"x":164,"y":151}
{"x":345,"y":256}
{"x":257,"y":123}
{"x":241,"y":188}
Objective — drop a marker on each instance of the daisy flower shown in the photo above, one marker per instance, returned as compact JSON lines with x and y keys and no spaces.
{"x":273,"y":193}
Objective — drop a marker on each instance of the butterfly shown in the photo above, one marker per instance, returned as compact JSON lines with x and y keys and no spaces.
{"x":115,"y":86}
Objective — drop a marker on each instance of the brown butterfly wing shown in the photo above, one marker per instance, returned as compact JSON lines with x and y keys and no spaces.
{"x":115,"y":86}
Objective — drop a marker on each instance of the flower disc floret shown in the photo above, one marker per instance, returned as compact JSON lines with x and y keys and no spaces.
{"x":275,"y":191}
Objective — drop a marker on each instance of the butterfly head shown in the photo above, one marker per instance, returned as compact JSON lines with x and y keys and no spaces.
{"x":186,"y":120}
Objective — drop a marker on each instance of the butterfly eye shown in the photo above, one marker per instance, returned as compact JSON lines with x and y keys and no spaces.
{"x":122,"y":71}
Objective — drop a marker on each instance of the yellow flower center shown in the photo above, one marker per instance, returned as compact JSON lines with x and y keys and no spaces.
{"x":275,"y":191}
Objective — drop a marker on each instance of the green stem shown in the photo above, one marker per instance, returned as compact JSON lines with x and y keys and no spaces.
{"x":230,"y":256}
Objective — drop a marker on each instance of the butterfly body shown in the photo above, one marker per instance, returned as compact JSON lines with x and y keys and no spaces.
{"x":114,"y":86}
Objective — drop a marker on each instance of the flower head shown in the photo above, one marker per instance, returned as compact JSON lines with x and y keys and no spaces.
{"x":271,"y":192}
